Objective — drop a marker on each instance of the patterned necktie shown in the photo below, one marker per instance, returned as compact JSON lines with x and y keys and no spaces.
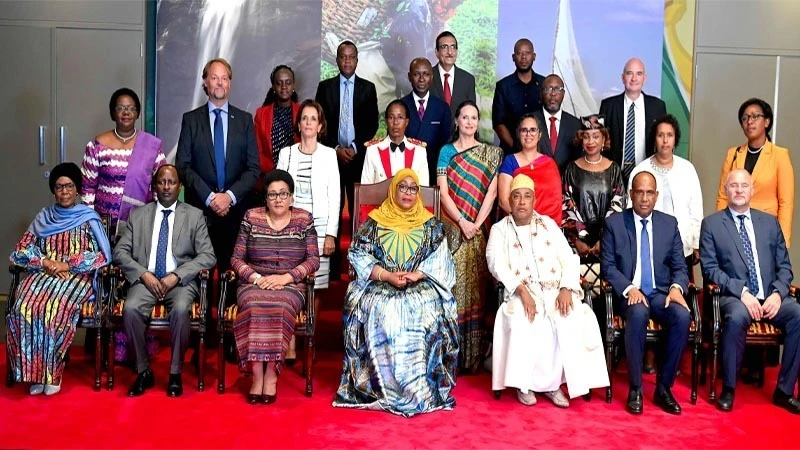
{"x":219,"y":149}
{"x":344,"y":116}
{"x":647,"y":267}
{"x":161,"y":250}
{"x":421,"y":110}
{"x":752,"y":274}
{"x":553,"y":135}
{"x":448,"y":96}
{"x":629,"y":155}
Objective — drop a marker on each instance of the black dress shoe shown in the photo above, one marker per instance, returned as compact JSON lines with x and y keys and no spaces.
{"x":253,"y":398}
{"x":634,"y":405}
{"x":786,"y":402}
{"x":725,"y":401}
{"x":175,"y":385}
{"x":667,"y":402}
{"x":144,"y":381}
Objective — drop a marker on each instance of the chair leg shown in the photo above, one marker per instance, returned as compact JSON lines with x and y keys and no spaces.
{"x":695,"y":350}
{"x":713,"y":383}
{"x":609,"y":362}
{"x":309,"y":357}
{"x":9,"y":372}
{"x":497,"y":394}
{"x":221,"y":363}
{"x":762,"y":368}
{"x":201,"y":363}
{"x":112,"y":363}
{"x":98,"y":359}
{"x":703,"y":361}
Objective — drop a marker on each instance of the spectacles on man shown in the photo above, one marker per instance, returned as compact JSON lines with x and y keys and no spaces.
{"x":755,"y":117}
{"x":406,"y":189}
{"x":552,"y":89}
{"x":448,"y":46}
{"x":283,"y":195}
{"x":65,"y":187}
{"x":129,"y":108}
{"x":528,"y":130}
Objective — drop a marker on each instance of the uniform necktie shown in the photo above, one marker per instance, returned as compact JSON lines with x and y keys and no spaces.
{"x":421,"y":110}
{"x":219,"y":149}
{"x":161,"y":250}
{"x":752,"y":274}
{"x":629,"y":155}
{"x":448,"y":96}
{"x":647,"y":266}
{"x":553,"y":135}
{"x":401,"y":146}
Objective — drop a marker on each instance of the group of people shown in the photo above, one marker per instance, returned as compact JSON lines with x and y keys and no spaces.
{"x":264,"y":198}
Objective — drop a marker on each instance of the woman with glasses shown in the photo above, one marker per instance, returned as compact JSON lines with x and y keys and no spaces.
{"x":275,"y":121}
{"x":275,"y":250}
{"x":769,"y":165}
{"x":60,"y":252}
{"x":542,"y":169}
{"x":400,"y":317}
{"x":466,"y":174}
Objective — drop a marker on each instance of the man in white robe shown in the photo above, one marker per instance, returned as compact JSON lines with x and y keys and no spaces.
{"x":544,"y":335}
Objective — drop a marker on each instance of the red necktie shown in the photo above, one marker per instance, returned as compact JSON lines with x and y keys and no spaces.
{"x":553,"y":134}
{"x":448,"y":96}
{"x":421,"y":110}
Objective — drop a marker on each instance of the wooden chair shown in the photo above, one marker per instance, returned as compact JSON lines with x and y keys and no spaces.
{"x":159,"y":320}
{"x":367,"y":197}
{"x":760,"y":333}
{"x":305,"y":327}
{"x":587,"y":298}
{"x":615,"y":334}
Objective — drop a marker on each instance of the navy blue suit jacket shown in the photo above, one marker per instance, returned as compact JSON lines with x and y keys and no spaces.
{"x":618,"y":252}
{"x":723,"y":258}
{"x":434,"y":128}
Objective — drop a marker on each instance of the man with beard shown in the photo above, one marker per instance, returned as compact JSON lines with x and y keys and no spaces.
{"x":560,"y":127}
{"x":516,"y":94}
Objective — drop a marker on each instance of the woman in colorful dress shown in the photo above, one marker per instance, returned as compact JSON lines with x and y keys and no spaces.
{"x":467,"y":177}
{"x":275,"y":120}
{"x":542,"y":169}
{"x":61,"y":251}
{"x":275,"y":251}
{"x":400,"y":317}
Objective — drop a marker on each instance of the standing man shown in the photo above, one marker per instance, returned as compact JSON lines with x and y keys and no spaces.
{"x":643,"y":260}
{"x":560,"y":127}
{"x":450,"y":83}
{"x":629,"y":116}
{"x":350,"y":105}
{"x":163,"y":248}
{"x":218,"y":160}
{"x":516,"y":94}
{"x":431,"y":119}
{"x":753,"y":272}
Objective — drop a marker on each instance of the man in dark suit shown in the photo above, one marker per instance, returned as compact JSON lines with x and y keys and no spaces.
{"x":217,"y":158}
{"x":754,"y":273}
{"x":163,"y":248}
{"x":431,"y":120}
{"x":560,"y":127}
{"x":642,"y":258}
{"x":450,"y":83}
{"x":629,"y":116}
{"x":516,"y":94}
{"x":350,"y":105}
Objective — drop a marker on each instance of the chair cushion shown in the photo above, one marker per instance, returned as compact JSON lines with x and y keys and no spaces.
{"x":233,"y":310}
{"x":763,"y":329}
{"x":159,"y":310}
{"x":619,"y":324}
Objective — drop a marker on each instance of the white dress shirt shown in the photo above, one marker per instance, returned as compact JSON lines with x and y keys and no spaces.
{"x":639,"y":128}
{"x":546,"y":124}
{"x":751,"y":234}
{"x":171,"y":263}
{"x":418,"y":98}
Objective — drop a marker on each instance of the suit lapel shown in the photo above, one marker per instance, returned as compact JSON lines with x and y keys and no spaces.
{"x":762,"y":161}
{"x":177,"y":227}
{"x":630,"y":227}
{"x":730,"y":224}
{"x":149,"y":223}
{"x":205,"y":132}
{"x":762,"y":247}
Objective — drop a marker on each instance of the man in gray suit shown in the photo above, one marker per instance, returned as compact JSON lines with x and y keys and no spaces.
{"x":754,"y":273}
{"x":460,"y":84}
{"x":163,"y":248}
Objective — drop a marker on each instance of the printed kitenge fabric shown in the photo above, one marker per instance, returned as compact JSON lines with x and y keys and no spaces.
{"x":401,"y":345}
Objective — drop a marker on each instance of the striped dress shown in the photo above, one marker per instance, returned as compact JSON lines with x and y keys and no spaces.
{"x":304,"y":199}
{"x":266,"y":319}
{"x":41,"y":324}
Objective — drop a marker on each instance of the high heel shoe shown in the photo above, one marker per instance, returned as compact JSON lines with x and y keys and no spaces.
{"x":253,"y":398}
{"x":269,"y":399}
{"x":36,"y":389}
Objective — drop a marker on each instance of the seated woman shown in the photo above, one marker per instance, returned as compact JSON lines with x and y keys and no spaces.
{"x":542,"y":169}
{"x":275,"y":251}
{"x":400,"y":318}
{"x":544,"y":335}
{"x":61,"y":250}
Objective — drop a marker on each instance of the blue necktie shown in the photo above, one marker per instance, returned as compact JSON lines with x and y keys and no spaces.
{"x":752,"y":274}
{"x":161,"y":250}
{"x":647,"y":268}
{"x":629,"y":149}
{"x":219,"y":149}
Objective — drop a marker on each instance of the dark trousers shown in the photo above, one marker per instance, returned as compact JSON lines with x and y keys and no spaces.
{"x":736,"y":320}
{"x":675,"y":319}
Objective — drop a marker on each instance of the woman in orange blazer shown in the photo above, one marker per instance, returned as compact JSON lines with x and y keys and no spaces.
{"x":274,"y":121}
{"x":770,"y":166}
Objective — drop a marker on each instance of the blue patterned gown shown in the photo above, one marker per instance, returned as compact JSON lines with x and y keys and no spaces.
{"x":401,"y":346}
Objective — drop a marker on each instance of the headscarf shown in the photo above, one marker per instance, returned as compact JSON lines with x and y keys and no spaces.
{"x":57,"y":219}
{"x":390,"y":215}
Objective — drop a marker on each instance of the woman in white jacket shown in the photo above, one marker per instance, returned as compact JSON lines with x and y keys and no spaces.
{"x":315,"y":172}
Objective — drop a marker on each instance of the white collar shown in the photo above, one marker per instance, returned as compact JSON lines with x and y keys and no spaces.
{"x":736,"y":214}
{"x":160,"y":207}
{"x":639,"y":102}
{"x":639,"y":218}
{"x":417,"y":98}
{"x":442,"y":71}
{"x":547,"y":116}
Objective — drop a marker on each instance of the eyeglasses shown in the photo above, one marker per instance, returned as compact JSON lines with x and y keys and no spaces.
{"x":756,"y":117}
{"x":550,"y":89}
{"x":123,"y":108}
{"x":528,"y":130}
{"x":448,"y":46}
{"x":283,"y":195}
{"x":65,"y":187}
{"x":406,"y":189}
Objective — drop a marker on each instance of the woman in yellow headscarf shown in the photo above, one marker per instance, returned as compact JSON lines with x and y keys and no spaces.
{"x":400,"y":317}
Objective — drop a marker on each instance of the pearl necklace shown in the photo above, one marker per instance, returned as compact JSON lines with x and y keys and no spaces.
{"x":594,"y":163}
{"x":123,"y":139}
{"x":755,"y":152}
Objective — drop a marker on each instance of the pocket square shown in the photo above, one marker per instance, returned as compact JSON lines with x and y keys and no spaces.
{"x":436,"y":123}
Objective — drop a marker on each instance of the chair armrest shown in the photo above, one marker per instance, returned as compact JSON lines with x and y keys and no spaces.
{"x":16,"y":273}
{"x":691,"y":300}
{"x":608,"y":292}
{"x":500,"y":289}
{"x":311,"y":307}
{"x":714,"y":291}
{"x":203,"y":277}
{"x":587,"y":286}
{"x":794,"y":291}
{"x":226,"y":278}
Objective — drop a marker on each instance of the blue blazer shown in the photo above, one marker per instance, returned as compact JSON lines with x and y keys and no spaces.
{"x":433,"y":129}
{"x":724,"y":262}
{"x":618,"y":252}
